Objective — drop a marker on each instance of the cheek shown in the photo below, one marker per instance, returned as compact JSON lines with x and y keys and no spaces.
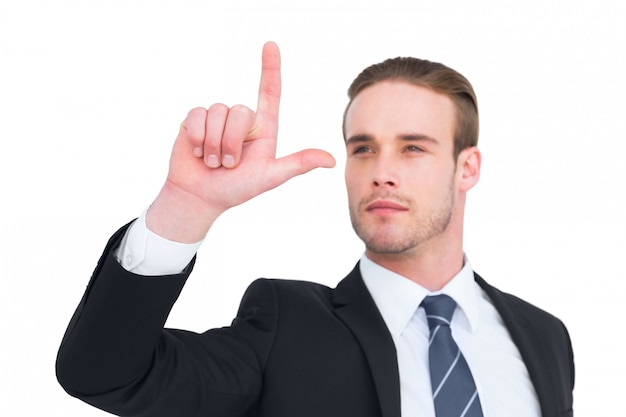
{"x":350,"y":176}
{"x":428,"y":184}
{"x":351,"y":190}
{"x":354,"y":183}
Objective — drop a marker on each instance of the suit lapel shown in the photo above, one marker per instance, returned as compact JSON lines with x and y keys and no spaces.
{"x":355,"y":307}
{"x":530,"y":346}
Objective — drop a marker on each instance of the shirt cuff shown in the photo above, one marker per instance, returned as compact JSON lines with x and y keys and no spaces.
{"x":143,"y":252}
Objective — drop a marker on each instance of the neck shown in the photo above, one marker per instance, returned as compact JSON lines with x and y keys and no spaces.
{"x":431,"y":273}
{"x":432,"y":265}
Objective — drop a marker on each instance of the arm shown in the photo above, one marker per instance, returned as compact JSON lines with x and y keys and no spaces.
{"x":115,"y":353}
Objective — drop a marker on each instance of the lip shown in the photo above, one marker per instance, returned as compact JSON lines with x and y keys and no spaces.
{"x":385,"y":206}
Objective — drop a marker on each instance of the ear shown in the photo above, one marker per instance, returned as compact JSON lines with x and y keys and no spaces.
{"x":468,"y":168}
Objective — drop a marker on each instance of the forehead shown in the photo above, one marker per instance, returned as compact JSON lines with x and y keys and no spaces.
{"x":389,"y":108}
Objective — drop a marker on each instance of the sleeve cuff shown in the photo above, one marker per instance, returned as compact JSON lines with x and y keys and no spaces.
{"x":143,"y":252}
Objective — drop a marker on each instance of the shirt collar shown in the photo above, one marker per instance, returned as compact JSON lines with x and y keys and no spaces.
{"x":398,"y":298}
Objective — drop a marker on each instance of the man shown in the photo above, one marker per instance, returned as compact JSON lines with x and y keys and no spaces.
{"x":302,"y":349}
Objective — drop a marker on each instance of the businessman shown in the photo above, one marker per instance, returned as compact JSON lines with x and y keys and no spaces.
{"x":411,"y":331}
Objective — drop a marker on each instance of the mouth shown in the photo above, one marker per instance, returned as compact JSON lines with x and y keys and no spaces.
{"x":382,"y":207}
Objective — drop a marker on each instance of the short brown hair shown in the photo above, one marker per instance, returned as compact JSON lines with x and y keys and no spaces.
{"x":435,"y":76}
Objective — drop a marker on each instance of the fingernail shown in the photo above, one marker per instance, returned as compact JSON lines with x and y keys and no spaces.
{"x":197,"y":152}
{"x":228,"y":161}
{"x":212,"y":161}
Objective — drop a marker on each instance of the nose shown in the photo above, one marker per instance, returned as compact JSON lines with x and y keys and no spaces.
{"x":384,"y":174}
{"x":380,"y":183}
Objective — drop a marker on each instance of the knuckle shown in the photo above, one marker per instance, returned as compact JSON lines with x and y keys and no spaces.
{"x":240,"y":108}
{"x":218,"y":108}
{"x":194,"y":123}
{"x":195,"y":114}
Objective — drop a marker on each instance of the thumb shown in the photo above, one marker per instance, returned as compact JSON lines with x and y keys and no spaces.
{"x":287,"y":167}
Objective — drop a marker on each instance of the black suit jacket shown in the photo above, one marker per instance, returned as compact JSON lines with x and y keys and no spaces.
{"x":295,"y":349}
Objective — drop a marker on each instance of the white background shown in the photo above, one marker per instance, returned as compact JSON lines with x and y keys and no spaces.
{"x":92,"y":94}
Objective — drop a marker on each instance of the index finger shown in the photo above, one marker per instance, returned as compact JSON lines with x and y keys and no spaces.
{"x":266,"y":122}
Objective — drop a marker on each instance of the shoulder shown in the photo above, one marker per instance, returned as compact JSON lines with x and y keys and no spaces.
{"x":266,"y":290}
{"x":542,"y":338}
{"x":528,"y":323}
{"x":509,"y":303}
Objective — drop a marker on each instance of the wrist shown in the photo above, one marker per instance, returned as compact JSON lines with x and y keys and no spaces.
{"x":180,"y":216}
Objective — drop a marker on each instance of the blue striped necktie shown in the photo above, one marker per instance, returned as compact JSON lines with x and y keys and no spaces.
{"x":454,"y":391}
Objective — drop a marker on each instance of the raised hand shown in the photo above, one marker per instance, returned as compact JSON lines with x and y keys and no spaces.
{"x":223,"y":157}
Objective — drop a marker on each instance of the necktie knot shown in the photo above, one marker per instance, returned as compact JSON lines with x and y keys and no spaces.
{"x":439,"y":310}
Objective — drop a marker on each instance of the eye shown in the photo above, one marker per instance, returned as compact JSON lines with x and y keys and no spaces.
{"x":413,"y":148}
{"x":361,"y":149}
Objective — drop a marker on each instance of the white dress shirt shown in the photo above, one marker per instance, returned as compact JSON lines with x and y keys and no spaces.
{"x":502,"y":380}
{"x":501,"y":377}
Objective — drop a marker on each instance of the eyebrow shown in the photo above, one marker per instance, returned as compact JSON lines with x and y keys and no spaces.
{"x":405,"y":137}
{"x":358,"y":139}
{"x":418,"y":137}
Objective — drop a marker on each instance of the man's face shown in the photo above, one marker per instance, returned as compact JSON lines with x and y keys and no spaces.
{"x":399,"y":169}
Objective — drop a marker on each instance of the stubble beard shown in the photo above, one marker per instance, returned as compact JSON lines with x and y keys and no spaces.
{"x":388,"y":238}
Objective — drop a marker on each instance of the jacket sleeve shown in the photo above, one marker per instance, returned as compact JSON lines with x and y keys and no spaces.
{"x":117,"y":356}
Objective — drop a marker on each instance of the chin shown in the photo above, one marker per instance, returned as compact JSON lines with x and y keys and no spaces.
{"x":389,"y":243}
